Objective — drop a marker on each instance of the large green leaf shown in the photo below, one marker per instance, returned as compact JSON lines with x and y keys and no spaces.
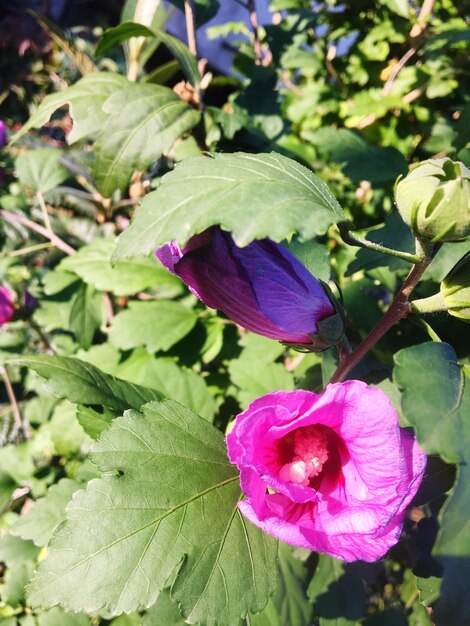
{"x":85,"y":99}
{"x":93,"y":264}
{"x":83,"y":383}
{"x":155,"y":324}
{"x":436,"y":401}
{"x":144,"y":122}
{"x":252,"y":196}
{"x":166,"y":505}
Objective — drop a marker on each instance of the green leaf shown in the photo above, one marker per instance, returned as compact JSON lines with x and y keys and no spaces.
{"x":314,"y":255}
{"x":255,"y":378}
{"x":67,"y":435}
{"x":394,"y":234}
{"x":360,"y":159}
{"x":259,"y":348}
{"x":54,"y":311}
{"x":144,"y":121}
{"x":57,"y":617}
{"x":164,"y":611}
{"x":46,"y":514}
{"x":162,"y":74}
{"x":17,"y":461}
{"x":128,"y":533}
{"x":85,"y":99}
{"x":186,"y":387}
{"x":7,"y":487}
{"x":453,"y":550}
{"x":83,"y":383}
{"x":400,"y":7}
{"x":157,"y":325}
{"x":86,"y":314}
{"x":290,"y":604}
{"x":181,"y":52}
{"x":252,"y":196}
{"x":436,"y":402}
{"x":133,"y":619}
{"x":79,"y":58}
{"x":436,"y":398}
{"x":337,"y":592}
{"x":14,"y":550}
{"x":93,"y":264}
{"x":40,"y":169}
{"x":122,"y":32}
{"x":205,"y":10}
{"x":94,"y":422}
{"x":15,"y":580}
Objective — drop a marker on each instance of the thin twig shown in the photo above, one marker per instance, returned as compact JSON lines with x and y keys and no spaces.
{"x":108,"y":307}
{"x":251,"y":6}
{"x":48,"y":234}
{"x":387,"y":88}
{"x":27,"y":250}
{"x":189,"y":12}
{"x":19,"y":424}
{"x":45,"y":214}
{"x":422,"y":22}
{"x":329,"y":58}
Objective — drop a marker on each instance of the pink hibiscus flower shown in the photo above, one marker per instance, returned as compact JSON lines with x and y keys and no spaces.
{"x":332,"y":472}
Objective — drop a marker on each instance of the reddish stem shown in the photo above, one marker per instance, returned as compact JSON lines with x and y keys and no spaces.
{"x":398,"y":310}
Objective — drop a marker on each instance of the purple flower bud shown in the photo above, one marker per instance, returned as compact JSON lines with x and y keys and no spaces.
{"x":3,"y":134}
{"x":261,"y":287}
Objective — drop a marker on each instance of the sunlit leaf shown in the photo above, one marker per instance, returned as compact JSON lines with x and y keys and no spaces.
{"x":167,"y":488}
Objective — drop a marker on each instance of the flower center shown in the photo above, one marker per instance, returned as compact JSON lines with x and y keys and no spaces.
{"x":309,"y":454}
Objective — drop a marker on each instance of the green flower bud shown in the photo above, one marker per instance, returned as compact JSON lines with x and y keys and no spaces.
{"x":434,"y":200}
{"x":454,"y":295}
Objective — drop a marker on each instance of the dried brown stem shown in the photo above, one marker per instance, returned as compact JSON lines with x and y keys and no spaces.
{"x":189,"y":12}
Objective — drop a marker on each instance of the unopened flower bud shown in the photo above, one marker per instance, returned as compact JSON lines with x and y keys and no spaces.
{"x":261,"y":287}
{"x":434,"y":200}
